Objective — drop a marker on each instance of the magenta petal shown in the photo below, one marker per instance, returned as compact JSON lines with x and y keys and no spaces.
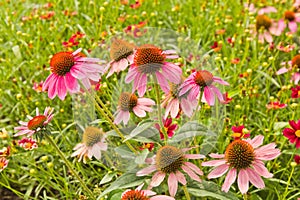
{"x":282,"y":70}
{"x":260,"y":168}
{"x":218,"y":171}
{"x":257,"y":141}
{"x":243,"y":181}
{"x":173,"y":184}
{"x":61,"y":88}
{"x":48,"y":81}
{"x":142,"y":85}
{"x":229,"y":180}
{"x":209,"y":96}
{"x":219,"y":80}
{"x":132,"y":73}
{"x":52,"y":88}
{"x":71,"y":83}
{"x":194,"y":168}
{"x":217,"y":92}
{"x":293,"y":26}
{"x":162,"y":81}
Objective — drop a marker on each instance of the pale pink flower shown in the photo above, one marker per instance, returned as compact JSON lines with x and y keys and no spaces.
{"x":35,"y":124}
{"x":243,"y":160}
{"x":131,"y":103}
{"x":290,"y":18}
{"x":174,"y":103}
{"x":293,"y":64}
{"x":151,"y":60}
{"x":66,"y":68}
{"x":3,"y":163}
{"x":263,"y":10}
{"x":202,"y":80}
{"x":140,"y":194}
{"x":121,"y":54}
{"x":265,"y":27}
{"x":168,"y":161}
{"x":93,"y":142}
{"x":28,"y":143}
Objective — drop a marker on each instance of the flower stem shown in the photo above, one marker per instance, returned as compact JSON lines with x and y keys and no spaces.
{"x":245,"y":196}
{"x":198,"y":105}
{"x":104,"y":107}
{"x":186,"y":192}
{"x":159,"y":110}
{"x":69,"y":165}
{"x":288,"y":183}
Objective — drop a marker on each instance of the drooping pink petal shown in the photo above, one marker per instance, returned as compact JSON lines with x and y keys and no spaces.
{"x":218,"y":171}
{"x":268,"y":37}
{"x":256,"y":141}
{"x":139,"y":112}
{"x":209,"y":96}
{"x":77,"y":72}
{"x":214,"y":163}
{"x":172,"y":72}
{"x":146,"y":171}
{"x":219,"y":80}
{"x":215,"y":155}
{"x":61,"y":88}
{"x":174,"y":108}
{"x":157,"y":178}
{"x":52,"y":88}
{"x":180,"y":177}
{"x":194,"y":92}
{"x":48,"y":81}
{"x":161,"y":197}
{"x":173,"y":184}
{"x":243,"y":181}
{"x":187,"y":107}
{"x":71,"y":83}
{"x":142,"y":85}
{"x":86,"y":83}
{"x":162,"y":81}
{"x":194,"y":168}
{"x":260,"y":168}
{"x":282,"y":70}
{"x":191,"y":173}
{"x":132,"y":74}
{"x":229,"y":180}
{"x":146,"y":101}
{"x":296,"y":78}
{"x":255,"y":179}
{"x":194,"y":156}
{"x":281,"y":25}
{"x":293,"y":26}
{"x":217,"y":92}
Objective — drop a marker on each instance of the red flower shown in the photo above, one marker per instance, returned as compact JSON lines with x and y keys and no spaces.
{"x":149,"y":146}
{"x":240,"y":132}
{"x":297,"y":159}
{"x":293,"y":134}
{"x":227,"y":99}
{"x":276,"y":105}
{"x":168,"y":126}
{"x":136,"y":5}
{"x":296,"y":92}
{"x":216,"y":47}
{"x":235,"y":61}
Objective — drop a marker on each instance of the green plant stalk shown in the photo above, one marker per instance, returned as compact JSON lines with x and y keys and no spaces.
{"x":159,"y":110}
{"x":288,"y":183}
{"x":198,"y":105}
{"x":104,"y":107}
{"x":69,"y":165}
{"x":186,"y":192}
{"x":245,"y":197}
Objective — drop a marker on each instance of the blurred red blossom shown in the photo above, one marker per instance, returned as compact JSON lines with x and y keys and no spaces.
{"x":240,"y":132}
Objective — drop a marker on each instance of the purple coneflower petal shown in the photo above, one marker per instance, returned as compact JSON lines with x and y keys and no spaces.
{"x":139,"y":112}
{"x":132,"y":74}
{"x":48,"y":81}
{"x":243,"y":181}
{"x":61,"y":88}
{"x":162,"y":81}
{"x":257,"y":141}
{"x":194,"y":168}
{"x":146,"y":171}
{"x":220,"y":81}
{"x":215,"y":155}
{"x":191,"y":173}
{"x":293,"y":26}
{"x":157,"y":178}
{"x":194,"y":156}
{"x":255,"y":179}
{"x":173,"y":184}
{"x":71,"y":83}
{"x":229,"y":180}
{"x":52,"y":88}
{"x":161,"y":197}
{"x":209,"y":96}
{"x":218,"y":171}
{"x":180,"y":177}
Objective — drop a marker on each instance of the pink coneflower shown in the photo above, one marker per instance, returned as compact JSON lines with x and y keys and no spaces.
{"x":66,"y":68}
{"x":139,"y":194}
{"x":3,"y":163}
{"x":35,"y":124}
{"x":293,"y":133}
{"x":121,"y":54}
{"x":168,"y":161}
{"x":168,"y":126}
{"x":291,"y":19}
{"x":240,"y":132}
{"x":149,"y":59}
{"x":276,"y":105}
{"x":243,"y":159}
{"x":173,"y":103}
{"x":265,"y":27}
{"x":293,"y":64}
{"x":295,"y":92}
{"x":93,"y":142}
{"x":261,"y":11}
{"x":28,"y":143}
{"x":131,"y":103}
{"x":202,"y":80}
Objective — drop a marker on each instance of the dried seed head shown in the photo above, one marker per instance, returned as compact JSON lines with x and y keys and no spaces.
{"x":127,"y":101}
{"x":92,"y":135}
{"x":169,"y":159}
{"x":120,"y":49}
{"x":263,"y":22}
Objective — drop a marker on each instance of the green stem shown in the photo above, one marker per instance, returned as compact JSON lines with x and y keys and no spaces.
{"x":69,"y":165}
{"x":159,"y":110}
{"x":104,"y":107}
{"x":198,"y":105}
{"x":288,"y":183}
{"x":245,"y":196}
{"x":186,"y":192}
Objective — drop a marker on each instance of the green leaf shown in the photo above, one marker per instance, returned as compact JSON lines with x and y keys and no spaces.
{"x":107,"y":178}
{"x":280,"y":125}
{"x":269,"y":77}
{"x":140,"y":159}
{"x":127,"y":180}
{"x":211,"y":189}
{"x":125,"y":152}
{"x":139,"y":129}
{"x":189,"y":129}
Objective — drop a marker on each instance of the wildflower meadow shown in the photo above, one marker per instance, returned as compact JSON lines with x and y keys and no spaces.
{"x":150,"y":99}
